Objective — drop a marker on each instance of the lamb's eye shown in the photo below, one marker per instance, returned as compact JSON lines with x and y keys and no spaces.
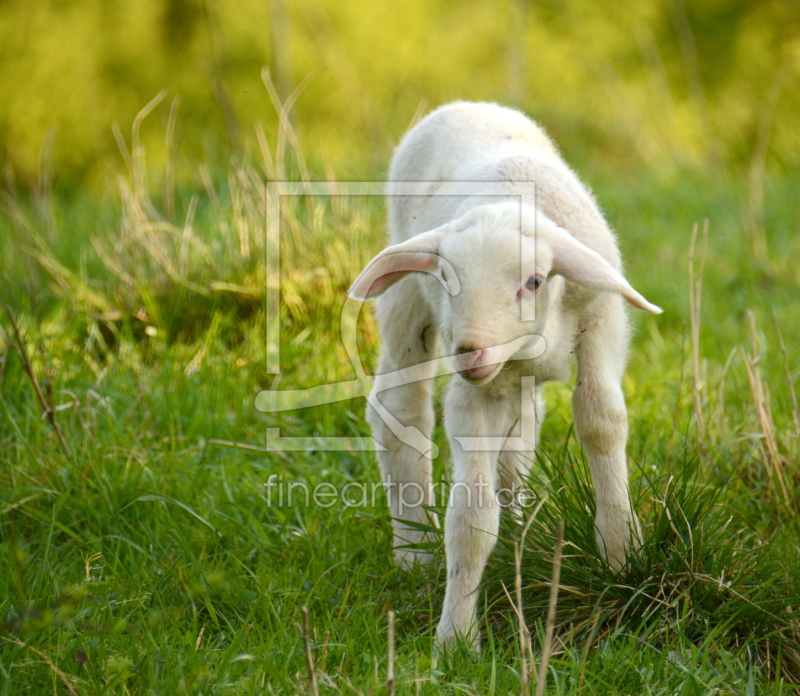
{"x":534,"y":283}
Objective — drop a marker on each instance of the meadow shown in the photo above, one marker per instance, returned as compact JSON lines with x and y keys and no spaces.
{"x":148,"y":544}
{"x":144,"y":553}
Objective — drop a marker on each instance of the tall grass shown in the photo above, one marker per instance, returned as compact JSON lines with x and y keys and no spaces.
{"x":149,"y":559}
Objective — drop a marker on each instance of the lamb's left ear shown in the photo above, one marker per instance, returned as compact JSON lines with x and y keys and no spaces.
{"x":418,"y":254}
{"x":579,"y":263}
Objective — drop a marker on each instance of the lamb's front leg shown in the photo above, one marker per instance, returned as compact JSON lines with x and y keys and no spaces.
{"x":402,"y":417}
{"x":473,"y":514}
{"x":601,"y":423}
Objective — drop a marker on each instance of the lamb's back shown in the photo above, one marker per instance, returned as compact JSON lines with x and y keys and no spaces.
{"x":484,"y":142}
{"x":451,"y":139}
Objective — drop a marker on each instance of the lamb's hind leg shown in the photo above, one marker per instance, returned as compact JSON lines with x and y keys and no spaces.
{"x":402,"y":416}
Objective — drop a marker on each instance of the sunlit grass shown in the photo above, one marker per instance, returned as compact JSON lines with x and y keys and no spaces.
{"x":154,"y":560}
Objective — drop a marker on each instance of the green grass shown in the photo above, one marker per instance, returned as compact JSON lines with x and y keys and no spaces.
{"x":151,"y":560}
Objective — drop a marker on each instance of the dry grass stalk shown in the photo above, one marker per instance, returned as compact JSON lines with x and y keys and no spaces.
{"x":187,"y":237}
{"x":63,"y":677}
{"x":551,"y":612}
{"x":139,"y":172}
{"x":722,"y":420}
{"x":48,"y":410}
{"x":312,"y":675}
{"x":678,"y":399}
{"x":587,"y":645}
{"x":390,"y":659}
{"x":790,"y":382}
{"x":695,"y":295}
{"x":524,"y":634}
{"x":525,"y":647}
{"x":767,"y":443}
{"x":287,"y":132}
{"x":171,"y":157}
{"x":199,"y":640}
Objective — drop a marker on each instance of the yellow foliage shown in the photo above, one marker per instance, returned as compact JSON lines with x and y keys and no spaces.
{"x":655,"y":83}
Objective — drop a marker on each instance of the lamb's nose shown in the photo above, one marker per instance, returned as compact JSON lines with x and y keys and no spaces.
{"x":468,"y":356}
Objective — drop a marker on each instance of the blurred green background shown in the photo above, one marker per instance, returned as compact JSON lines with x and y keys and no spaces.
{"x":658,"y":83}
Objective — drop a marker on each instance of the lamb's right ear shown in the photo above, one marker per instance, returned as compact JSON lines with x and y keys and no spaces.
{"x":576,"y":261}
{"x":418,"y":254}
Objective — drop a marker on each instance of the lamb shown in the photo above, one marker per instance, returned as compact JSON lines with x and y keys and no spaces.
{"x":499,"y":253}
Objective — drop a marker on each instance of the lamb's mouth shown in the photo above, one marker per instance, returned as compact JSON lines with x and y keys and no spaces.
{"x":480,"y":374}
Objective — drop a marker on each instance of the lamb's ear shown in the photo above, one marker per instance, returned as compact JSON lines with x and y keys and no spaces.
{"x":418,"y":254}
{"x":579,"y":263}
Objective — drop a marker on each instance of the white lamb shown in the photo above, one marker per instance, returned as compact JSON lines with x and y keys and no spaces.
{"x":531,"y":287}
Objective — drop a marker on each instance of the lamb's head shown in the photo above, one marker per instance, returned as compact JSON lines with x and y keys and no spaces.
{"x":494,"y":263}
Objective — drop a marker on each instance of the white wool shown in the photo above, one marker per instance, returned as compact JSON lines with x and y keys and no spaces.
{"x":521,"y":275}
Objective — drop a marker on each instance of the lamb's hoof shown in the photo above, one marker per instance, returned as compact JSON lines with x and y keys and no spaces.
{"x":616,"y":555}
{"x":618,"y":540}
{"x":448,"y":638}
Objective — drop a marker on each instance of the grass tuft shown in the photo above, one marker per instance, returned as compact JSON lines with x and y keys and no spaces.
{"x":702,"y":572}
